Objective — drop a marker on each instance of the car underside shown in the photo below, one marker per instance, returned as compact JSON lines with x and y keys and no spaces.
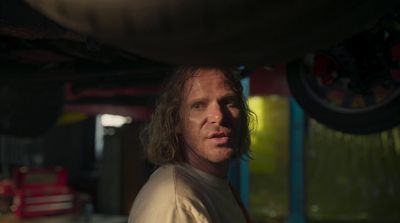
{"x":56,"y":55}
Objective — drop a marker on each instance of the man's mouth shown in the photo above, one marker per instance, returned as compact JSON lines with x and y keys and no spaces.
{"x":219,"y":138}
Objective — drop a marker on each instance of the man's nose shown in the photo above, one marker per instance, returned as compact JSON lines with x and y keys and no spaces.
{"x":216,"y":114}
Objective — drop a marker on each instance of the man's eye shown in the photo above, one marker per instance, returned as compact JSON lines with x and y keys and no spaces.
{"x":232,"y":103}
{"x":198,"y":106}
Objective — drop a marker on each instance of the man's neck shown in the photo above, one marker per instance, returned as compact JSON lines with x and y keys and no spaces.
{"x":216,"y":169}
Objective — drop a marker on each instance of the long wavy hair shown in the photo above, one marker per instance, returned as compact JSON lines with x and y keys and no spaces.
{"x":160,"y":139}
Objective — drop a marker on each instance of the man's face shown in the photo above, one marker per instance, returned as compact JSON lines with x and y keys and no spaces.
{"x":210,"y":117}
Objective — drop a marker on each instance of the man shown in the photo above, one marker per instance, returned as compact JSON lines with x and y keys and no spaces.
{"x":199,"y":125}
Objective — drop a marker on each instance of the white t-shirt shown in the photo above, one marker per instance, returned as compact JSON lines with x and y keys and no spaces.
{"x":180,"y":193}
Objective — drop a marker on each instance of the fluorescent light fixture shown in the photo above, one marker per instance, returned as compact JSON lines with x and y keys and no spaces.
{"x":108,"y":120}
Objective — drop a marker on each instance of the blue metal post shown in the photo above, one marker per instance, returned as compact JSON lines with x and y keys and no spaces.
{"x":239,"y":169}
{"x":244,"y":163}
{"x":297,"y":213}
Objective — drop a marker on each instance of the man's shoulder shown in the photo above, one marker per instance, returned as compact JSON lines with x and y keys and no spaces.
{"x":170,"y":193}
{"x":169,"y":184}
{"x":157,"y":193}
{"x":174,"y":178}
{"x":177,"y":179}
{"x":161,"y":180}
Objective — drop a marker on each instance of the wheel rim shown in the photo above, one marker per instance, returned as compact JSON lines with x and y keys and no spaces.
{"x":326,"y":77}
